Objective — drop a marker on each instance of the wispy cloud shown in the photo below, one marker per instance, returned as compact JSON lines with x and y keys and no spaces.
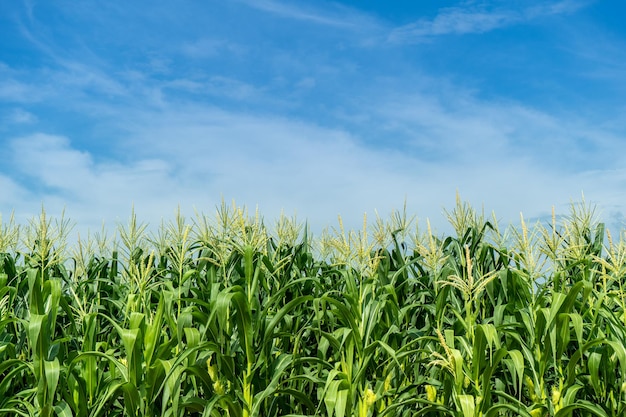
{"x":73,"y":70}
{"x":216,"y":86}
{"x":18,"y":116}
{"x":17,"y":87}
{"x":15,"y":91}
{"x":555,"y":8}
{"x":323,"y":13}
{"x":476,"y":19}
{"x":455,"y":21}
{"x":291,"y":11}
{"x":87,"y":78}
{"x":210,"y":48}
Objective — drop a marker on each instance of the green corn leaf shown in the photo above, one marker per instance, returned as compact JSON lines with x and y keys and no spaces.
{"x":62,"y":409}
{"x":467,"y":404}
{"x":584,"y":406}
{"x":52,"y":372}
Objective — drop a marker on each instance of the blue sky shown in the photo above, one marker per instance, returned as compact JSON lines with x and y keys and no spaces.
{"x":312,"y":107}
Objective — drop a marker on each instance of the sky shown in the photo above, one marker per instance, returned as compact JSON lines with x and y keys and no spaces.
{"x":312,"y":108}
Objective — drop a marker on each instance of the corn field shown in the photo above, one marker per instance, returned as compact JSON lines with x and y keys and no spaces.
{"x":226,"y":315}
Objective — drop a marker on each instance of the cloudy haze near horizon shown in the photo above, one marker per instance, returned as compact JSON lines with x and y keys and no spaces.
{"x":314,"y":108}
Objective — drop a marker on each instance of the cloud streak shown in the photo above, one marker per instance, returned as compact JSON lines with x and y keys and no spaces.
{"x":290,"y":11}
{"x":476,"y":19}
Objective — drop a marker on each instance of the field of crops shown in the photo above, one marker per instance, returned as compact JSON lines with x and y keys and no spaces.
{"x":229,"y":315}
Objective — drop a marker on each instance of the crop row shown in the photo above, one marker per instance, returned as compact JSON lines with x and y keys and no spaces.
{"x":223,"y":317}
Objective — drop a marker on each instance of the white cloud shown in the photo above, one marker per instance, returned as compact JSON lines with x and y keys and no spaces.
{"x":194,"y":160}
{"x":329,"y":14}
{"x":19,"y":116}
{"x":306,"y":83}
{"x":456,"y":21}
{"x":193,"y":156}
{"x":475,"y":19}
{"x":11,"y":192}
{"x":15,"y":91}
{"x":210,"y":48}
{"x":553,"y":8}
{"x":83,"y":77}
{"x":50,"y":170}
{"x":51,"y":161}
{"x":320,"y":171}
{"x":293,"y":12}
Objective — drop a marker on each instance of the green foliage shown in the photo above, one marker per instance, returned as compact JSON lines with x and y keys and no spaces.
{"x":223,"y":317}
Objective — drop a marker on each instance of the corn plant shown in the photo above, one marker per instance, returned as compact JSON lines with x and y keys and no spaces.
{"x":225,"y":315}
